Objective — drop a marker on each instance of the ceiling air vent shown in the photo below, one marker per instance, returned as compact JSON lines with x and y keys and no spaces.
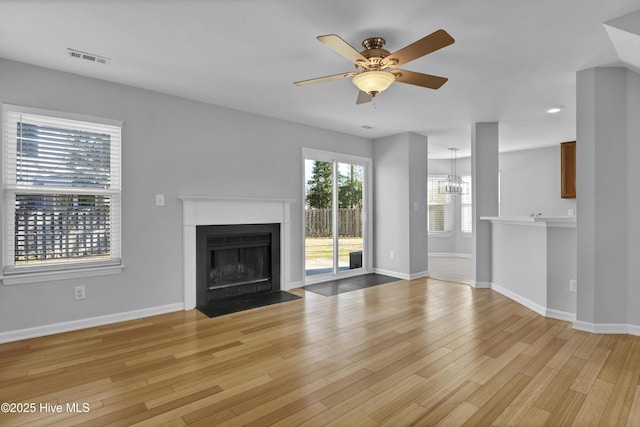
{"x":88,"y":57}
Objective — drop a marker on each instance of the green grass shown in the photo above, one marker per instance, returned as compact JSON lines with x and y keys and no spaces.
{"x":321,"y":248}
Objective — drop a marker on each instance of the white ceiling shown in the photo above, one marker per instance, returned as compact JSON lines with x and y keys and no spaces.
{"x":512,"y":60}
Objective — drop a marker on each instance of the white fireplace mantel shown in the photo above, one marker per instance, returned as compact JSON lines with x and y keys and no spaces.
{"x":212,"y":210}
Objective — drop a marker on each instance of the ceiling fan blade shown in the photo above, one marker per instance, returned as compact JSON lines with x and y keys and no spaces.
{"x":325,"y":78}
{"x":363,"y":98}
{"x":415,"y":50}
{"x":419,"y":79}
{"x":340,"y":46}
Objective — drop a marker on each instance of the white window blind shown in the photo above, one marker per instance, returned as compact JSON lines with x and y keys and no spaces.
{"x":438,"y":214}
{"x":466,"y":208}
{"x":61,"y":182}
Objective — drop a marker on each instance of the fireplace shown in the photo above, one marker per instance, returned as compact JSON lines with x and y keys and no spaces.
{"x":236,"y":260}
{"x":198,"y":210}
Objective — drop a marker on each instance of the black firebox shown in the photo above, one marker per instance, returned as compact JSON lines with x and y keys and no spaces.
{"x":236,"y":260}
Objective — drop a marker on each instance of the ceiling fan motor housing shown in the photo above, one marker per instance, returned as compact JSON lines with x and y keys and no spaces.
{"x":374,"y":52}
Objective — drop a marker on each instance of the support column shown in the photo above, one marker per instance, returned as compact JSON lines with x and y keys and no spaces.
{"x":602,"y":198}
{"x":400,"y":206}
{"x":418,"y":175}
{"x":484,"y":179}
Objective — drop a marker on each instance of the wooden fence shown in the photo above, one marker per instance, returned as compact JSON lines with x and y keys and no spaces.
{"x":318,"y":222}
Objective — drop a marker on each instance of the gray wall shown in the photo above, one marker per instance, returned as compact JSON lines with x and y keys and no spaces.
{"x":530,"y":183}
{"x":400,"y":171}
{"x":391,"y":216}
{"x":633,"y":200}
{"x":534,"y":262}
{"x":608,"y":163}
{"x":484,"y":176}
{"x":561,"y":268}
{"x":418,"y":203}
{"x":177,"y":146}
{"x":519,"y":260}
{"x":172,"y":146}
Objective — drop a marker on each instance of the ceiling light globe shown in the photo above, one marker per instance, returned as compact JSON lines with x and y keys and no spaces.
{"x":373,"y":82}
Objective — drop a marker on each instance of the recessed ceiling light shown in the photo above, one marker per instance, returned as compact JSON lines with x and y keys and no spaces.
{"x":553,"y":110}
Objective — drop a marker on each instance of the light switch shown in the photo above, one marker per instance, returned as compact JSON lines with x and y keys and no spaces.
{"x":159,"y":199}
{"x":573,"y":285}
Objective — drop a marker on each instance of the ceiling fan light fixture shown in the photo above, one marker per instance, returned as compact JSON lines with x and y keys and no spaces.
{"x":373,"y":82}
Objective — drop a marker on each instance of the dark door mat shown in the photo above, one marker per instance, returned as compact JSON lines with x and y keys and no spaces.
{"x":341,"y":286}
{"x":245,"y":302}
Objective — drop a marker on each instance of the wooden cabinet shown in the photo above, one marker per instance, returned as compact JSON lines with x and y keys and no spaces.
{"x":568,"y":170}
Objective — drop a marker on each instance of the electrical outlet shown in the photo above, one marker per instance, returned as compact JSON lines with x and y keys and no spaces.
{"x":573,"y":285}
{"x":79,"y":292}
{"x":392,"y":255}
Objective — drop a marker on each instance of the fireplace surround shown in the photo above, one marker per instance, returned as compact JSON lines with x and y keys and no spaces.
{"x":212,"y":210}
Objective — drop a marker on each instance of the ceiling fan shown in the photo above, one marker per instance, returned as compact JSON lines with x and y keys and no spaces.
{"x":377,"y":67}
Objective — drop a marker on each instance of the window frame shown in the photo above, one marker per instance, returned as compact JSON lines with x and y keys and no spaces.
{"x":447,"y":231}
{"x":463,"y":204}
{"x":65,"y":269}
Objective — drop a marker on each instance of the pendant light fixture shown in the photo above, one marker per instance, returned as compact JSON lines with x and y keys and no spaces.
{"x":453,"y":184}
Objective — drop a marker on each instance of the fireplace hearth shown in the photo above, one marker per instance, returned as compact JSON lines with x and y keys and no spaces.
{"x":236,"y":260}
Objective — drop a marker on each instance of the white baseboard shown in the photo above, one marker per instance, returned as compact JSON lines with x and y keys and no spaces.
{"x":560,"y":315}
{"x":594,"y":328}
{"x":293,"y":285}
{"x":452,"y":279}
{"x":419,"y":275}
{"x":402,"y":276}
{"x":397,"y":275}
{"x":448,"y":255}
{"x":56,"y":328}
{"x":480,"y":285}
{"x":633,"y":330}
{"x":541,"y":310}
{"x":607,"y":328}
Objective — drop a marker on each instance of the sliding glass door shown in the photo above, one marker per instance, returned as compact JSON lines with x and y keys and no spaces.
{"x":335,"y":216}
{"x":319,"y":242}
{"x":349,"y":227}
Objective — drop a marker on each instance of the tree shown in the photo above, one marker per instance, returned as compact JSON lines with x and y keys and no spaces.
{"x":320,"y":186}
{"x":320,"y":191}
{"x":350,"y":188}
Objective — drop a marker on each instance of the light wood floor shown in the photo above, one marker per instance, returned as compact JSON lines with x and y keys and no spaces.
{"x":404,"y":353}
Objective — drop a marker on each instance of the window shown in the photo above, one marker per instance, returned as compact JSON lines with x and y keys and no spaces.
{"x":61,"y":184}
{"x":438,"y":214}
{"x":466,"y":208}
